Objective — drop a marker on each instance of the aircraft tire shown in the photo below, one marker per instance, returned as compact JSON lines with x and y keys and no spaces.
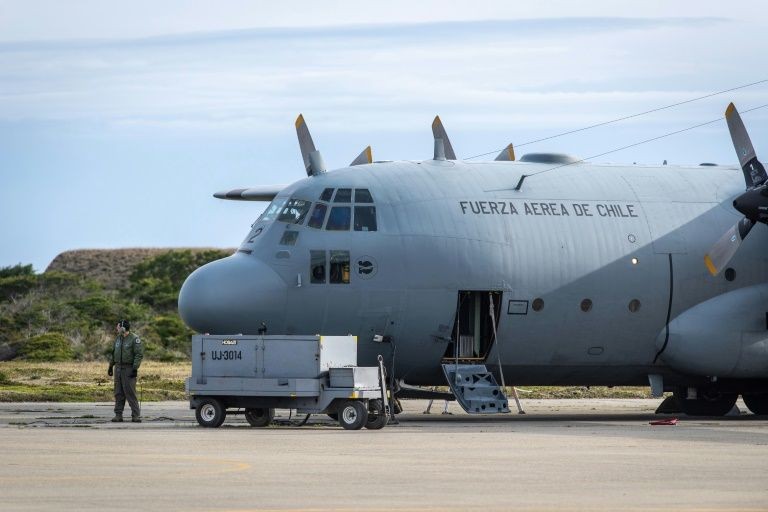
{"x":756,"y":402}
{"x":260,"y":417}
{"x":353,"y":415}
{"x":210,"y":413}
{"x":709,"y":402}
{"x":377,"y":418}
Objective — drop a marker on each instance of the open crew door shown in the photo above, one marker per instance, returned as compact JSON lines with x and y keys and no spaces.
{"x":472,"y":329}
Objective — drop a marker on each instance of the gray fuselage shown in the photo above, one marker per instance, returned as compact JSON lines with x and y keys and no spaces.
{"x":630,"y":239}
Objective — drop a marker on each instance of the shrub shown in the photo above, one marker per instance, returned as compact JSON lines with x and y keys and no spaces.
{"x":52,"y":346}
{"x":157,"y":281}
{"x":17,"y":270}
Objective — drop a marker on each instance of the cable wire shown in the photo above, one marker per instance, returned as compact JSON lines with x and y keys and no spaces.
{"x":642,"y":142}
{"x":624,"y":118}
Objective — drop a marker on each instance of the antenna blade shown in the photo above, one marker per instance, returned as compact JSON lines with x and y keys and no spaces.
{"x":507,"y":154}
{"x":307,"y":147}
{"x":365,"y":157}
{"x":438,"y":132}
{"x":754,"y":172}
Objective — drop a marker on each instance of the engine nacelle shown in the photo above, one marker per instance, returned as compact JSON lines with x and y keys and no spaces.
{"x":725,"y":336}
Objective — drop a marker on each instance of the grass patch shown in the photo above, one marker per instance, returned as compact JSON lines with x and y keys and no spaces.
{"x":76,"y":381}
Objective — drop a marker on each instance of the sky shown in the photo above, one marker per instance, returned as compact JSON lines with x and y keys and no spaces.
{"x":119,"y":120}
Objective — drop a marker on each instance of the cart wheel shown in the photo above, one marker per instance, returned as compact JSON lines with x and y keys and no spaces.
{"x":210,"y":413}
{"x":353,"y":415}
{"x":377,"y":418}
{"x":261,"y":417}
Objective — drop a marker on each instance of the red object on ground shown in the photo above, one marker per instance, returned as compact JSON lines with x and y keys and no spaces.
{"x":668,"y":421}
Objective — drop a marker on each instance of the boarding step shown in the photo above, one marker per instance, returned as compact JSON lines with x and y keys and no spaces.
{"x":476,"y":389}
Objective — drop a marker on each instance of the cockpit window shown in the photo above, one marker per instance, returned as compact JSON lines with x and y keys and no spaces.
{"x":343,"y":195}
{"x":272,"y":210}
{"x":339,"y":219}
{"x":326,"y":195}
{"x":363,"y":195}
{"x":289,"y":237}
{"x":295,"y":211}
{"x":365,"y":218}
{"x":318,"y":216}
{"x":339,"y":271}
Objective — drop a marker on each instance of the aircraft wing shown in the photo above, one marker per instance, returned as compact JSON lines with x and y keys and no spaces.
{"x":262,"y":193}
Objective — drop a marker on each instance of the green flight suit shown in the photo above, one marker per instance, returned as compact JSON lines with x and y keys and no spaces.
{"x":126,"y":356}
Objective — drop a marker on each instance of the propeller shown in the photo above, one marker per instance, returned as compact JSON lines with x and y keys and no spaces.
{"x":365,"y":157}
{"x":753,"y":203}
{"x":313,"y":160}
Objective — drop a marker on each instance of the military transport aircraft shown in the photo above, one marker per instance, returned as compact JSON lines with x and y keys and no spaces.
{"x":591,"y":275}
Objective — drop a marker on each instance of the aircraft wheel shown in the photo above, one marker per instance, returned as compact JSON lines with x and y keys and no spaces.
{"x":260,"y":417}
{"x":210,"y":413}
{"x":353,"y":414}
{"x":710,"y":402}
{"x":377,"y":418}
{"x":756,"y":402}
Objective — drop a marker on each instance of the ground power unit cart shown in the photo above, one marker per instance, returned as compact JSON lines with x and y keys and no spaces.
{"x":254,"y":375}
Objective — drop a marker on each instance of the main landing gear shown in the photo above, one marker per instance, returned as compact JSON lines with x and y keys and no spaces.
{"x":705,"y":402}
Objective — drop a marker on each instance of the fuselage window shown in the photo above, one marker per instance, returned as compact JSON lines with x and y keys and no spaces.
{"x":365,"y":218}
{"x":362,"y":195}
{"x":295,"y":211}
{"x":343,"y":195}
{"x":339,"y":219}
{"x":289,"y":237}
{"x":326,"y":195}
{"x":272,"y":210}
{"x":317,"y":267}
{"x":318,"y":216}
{"x":339,"y":273}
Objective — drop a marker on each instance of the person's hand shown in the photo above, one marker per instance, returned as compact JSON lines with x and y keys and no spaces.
{"x":110,"y":372}
{"x":134,"y":373}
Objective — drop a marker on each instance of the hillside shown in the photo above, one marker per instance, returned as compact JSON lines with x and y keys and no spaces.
{"x":69,"y":311}
{"x":111,"y":267}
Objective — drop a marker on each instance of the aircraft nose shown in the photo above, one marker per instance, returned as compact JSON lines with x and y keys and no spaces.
{"x":233,"y":295}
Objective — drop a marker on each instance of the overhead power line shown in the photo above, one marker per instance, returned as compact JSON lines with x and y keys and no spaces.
{"x":629,"y":117}
{"x":718,"y":120}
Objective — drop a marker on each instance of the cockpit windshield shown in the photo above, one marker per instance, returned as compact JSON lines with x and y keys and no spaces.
{"x":295,"y":211}
{"x":272,"y":210}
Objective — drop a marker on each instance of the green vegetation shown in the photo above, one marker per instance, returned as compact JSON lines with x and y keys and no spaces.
{"x":52,"y":346}
{"x":63,"y":316}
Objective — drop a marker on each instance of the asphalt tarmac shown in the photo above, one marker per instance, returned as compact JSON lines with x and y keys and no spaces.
{"x":561,"y":455}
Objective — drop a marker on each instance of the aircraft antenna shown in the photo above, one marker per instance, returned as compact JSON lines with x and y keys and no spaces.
{"x":624,"y":118}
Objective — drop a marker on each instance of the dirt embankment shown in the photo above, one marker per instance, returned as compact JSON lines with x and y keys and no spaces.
{"x":111,"y":267}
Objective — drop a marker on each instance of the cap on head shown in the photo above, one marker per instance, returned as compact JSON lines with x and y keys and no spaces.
{"x":125,"y":324}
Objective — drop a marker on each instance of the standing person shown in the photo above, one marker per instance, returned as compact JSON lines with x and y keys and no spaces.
{"x":124,"y":362}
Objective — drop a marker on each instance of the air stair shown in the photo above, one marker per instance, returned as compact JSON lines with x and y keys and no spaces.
{"x":475,"y":388}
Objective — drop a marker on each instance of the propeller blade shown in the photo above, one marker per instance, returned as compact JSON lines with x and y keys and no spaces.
{"x":507,"y":154}
{"x":313,"y":160}
{"x":366,"y":157}
{"x":724,"y":249}
{"x":438,"y":132}
{"x":754,"y":172}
